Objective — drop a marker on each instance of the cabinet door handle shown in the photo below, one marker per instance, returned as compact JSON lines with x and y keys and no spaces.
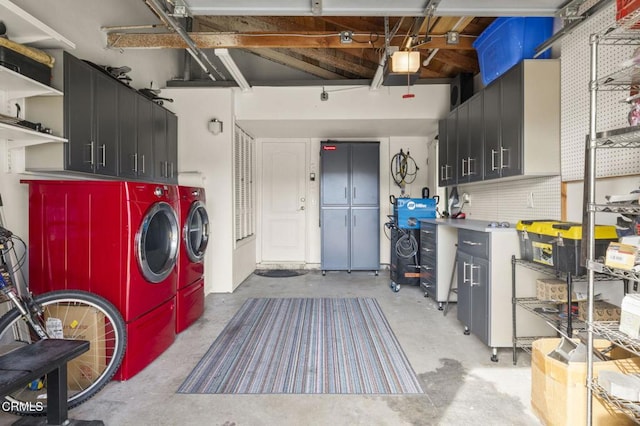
{"x":103,"y":153}
{"x":471,"y":243}
{"x":171,"y":169}
{"x":502,"y":164}
{"x":354,"y":192}
{"x":90,"y":145}
{"x":142,"y":170}
{"x":354,"y":220}
{"x":464,"y":271}
{"x":442,"y":173}
{"x":134,"y":159}
{"x":493,"y":159}
{"x":472,"y":283}
{"x":470,"y":172}
{"x":427,"y":268}
{"x":463,"y":160}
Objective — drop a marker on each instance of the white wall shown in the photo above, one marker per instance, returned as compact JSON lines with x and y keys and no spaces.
{"x":207,"y":160}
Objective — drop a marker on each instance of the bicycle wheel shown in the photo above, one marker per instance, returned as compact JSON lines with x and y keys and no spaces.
{"x":72,"y":314}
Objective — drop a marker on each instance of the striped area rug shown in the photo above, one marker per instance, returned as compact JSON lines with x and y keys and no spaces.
{"x":305,"y":346}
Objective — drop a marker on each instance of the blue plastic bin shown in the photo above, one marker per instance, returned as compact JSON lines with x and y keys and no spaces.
{"x":507,"y":41}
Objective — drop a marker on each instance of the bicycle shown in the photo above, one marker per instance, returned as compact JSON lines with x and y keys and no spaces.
{"x":69,"y":314}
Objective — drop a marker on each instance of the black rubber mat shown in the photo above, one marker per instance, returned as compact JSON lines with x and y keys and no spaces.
{"x":279,"y":273}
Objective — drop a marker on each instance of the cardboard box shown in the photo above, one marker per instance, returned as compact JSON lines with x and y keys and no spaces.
{"x":82,"y":323}
{"x":630,"y":316}
{"x":602,"y":311}
{"x":621,"y":256}
{"x":551,"y":289}
{"x":558,"y":390}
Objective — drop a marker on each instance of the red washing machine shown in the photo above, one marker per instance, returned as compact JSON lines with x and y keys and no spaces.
{"x":116,"y":239}
{"x":194,"y":222}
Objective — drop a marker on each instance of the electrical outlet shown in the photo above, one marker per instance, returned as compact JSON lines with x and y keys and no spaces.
{"x":530,"y":200}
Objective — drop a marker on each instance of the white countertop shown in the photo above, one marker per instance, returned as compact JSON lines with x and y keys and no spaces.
{"x":472,"y":224}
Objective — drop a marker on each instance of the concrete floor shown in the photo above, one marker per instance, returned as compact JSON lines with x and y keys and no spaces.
{"x":462,"y":386}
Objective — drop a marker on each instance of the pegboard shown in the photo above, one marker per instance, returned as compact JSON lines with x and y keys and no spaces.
{"x":514,"y":200}
{"x":611,"y":112}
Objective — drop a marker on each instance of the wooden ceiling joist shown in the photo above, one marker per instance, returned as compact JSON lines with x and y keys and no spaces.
{"x":257,"y":40}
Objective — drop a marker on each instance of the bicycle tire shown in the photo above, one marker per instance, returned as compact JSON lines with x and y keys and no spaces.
{"x":78,"y":310}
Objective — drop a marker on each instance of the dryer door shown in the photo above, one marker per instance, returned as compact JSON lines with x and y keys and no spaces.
{"x":196,"y":231}
{"x":157,"y":242}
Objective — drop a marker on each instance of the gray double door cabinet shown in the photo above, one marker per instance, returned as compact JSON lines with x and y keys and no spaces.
{"x":350,"y":206}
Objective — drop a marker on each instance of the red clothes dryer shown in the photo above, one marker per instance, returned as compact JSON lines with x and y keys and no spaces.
{"x":194,"y":223}
{"x":116,"y":239}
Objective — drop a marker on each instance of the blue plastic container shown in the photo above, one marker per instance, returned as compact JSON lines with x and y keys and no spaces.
{"x":409,"y":211}
{"x":507,"y":41}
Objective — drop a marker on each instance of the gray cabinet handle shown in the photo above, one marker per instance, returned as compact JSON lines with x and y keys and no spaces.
{"x":134,"y":161}
{"x":472,"y":283}
{"x":464,"y":161}
{"x":502,"y":163}
{"x":90,"y":145}
{"x":103,"y":153}
{"x":471,"y":243}
{"x":354,"y":192}
{"x":493,"y":159}
{"x":470,"y":170}
{"x":142,"y":156}
{"x":464,"y":271}
{"x":426,"y":268}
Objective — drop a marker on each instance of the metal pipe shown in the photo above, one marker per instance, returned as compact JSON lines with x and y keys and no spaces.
{"x":196,"y":51}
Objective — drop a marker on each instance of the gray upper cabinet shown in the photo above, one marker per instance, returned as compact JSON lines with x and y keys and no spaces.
{"x":127,"y":133}
{"x":90,"y":119}
{"x":475,"y":161}
{"x":448,"y":149}
{"x":364,"y":174}
{"x":470,"y":140}
{"x":492,"y":135}
{"x":113,"y":130}
{"x":517,"y":126}
{"x":335,"y":188}
{"x":144,"y":138}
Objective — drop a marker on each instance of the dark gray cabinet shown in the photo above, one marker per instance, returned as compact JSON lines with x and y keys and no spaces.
{"x":510,"y":128}
{"x":448,"y":149}
{"x":113,"y":130}
{"x":512,"y":116}
{"x":135,"y":135}
{"x":473,"y":282}
{"x":90,"y":119}
{"x":437,"y":258}
{"x":492,"y":133}
{"x":350,"y":206}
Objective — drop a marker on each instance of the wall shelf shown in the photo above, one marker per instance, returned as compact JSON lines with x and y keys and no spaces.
{"x":19,"y":137}
{"x":16,"y":85}
{"x":26,"y":29}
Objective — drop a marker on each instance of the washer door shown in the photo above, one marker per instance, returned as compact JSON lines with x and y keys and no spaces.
{"x":157,"y":242}
{"x":196,"y":231}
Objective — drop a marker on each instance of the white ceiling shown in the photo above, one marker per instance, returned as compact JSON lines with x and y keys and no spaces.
{"x":375,"y":7}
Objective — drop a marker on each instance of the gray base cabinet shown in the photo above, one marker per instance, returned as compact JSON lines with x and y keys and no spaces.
{"x":437,"y":258}
{"x":350,"y":206}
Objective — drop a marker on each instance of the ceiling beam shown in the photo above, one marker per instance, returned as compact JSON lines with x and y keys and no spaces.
{"x":256,"y":40}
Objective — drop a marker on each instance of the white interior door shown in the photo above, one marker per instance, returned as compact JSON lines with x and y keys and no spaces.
{"x":283,"y":201}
